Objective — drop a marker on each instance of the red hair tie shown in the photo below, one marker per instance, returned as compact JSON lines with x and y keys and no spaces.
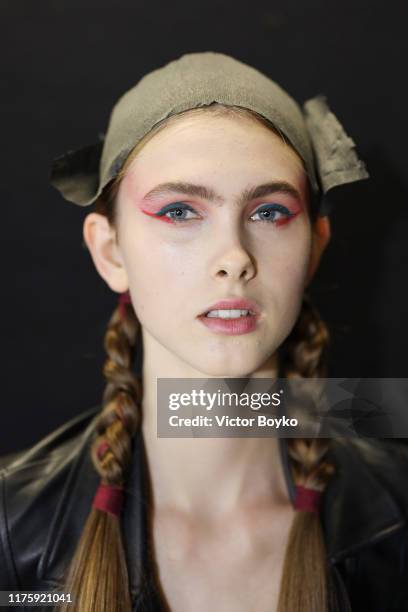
{"x":109,"y":498}
{"x":307,"y":499}
{"x":124,"y":298}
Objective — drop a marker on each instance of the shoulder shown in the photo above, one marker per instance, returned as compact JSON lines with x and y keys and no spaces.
{"x":373,"y":464}
{"x":32,"y":485}
{"x":366,"y":520}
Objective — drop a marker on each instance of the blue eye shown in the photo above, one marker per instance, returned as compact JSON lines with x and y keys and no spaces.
{"x":269,"y":212}
{"x":178,"y":209}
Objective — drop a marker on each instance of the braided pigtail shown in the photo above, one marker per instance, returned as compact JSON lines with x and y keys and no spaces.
{"x":98,"y":577}
{"x":305,"y":579}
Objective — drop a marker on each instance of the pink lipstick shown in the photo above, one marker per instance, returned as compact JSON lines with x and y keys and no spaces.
{"x":241,"y":324}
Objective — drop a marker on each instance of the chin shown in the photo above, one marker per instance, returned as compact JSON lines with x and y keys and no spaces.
{"x":230,"y":368}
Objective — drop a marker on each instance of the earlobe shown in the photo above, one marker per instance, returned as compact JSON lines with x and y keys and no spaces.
{"x":320,"y":239}
{"x":100,"y":238}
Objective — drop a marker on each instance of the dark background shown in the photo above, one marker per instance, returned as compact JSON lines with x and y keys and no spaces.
{"x":65,"y":62}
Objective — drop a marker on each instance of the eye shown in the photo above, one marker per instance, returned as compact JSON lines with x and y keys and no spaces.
{"x":273,"y":213}
{"x":177,"y":212}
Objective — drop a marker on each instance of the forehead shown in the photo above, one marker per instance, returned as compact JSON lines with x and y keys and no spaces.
{"x":234,"y":146}
{"x":207,"y":126}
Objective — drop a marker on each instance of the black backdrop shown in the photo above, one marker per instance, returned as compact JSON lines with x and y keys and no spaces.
{"x":65,"y":62}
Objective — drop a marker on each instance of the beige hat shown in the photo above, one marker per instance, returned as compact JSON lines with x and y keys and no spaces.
{"x":200,"y":79}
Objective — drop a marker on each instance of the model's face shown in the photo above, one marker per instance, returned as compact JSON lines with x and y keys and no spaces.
{"x":221,"y":246}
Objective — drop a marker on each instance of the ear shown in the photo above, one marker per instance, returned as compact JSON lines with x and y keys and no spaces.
{"x":100,"y":238}
{"x":320,"y":239}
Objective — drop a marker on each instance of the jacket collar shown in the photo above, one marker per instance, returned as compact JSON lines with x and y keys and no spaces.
{"x":365,"y":500}
{"x":362,"y":504}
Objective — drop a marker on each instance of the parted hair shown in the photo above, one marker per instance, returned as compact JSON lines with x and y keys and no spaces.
{"x":97,"y":574}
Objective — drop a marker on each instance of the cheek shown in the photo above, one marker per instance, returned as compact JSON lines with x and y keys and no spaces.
{"x":159,"y":276}
{"x":283,"y":272}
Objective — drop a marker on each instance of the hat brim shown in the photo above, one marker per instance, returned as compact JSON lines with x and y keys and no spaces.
{"x":76,"y":174}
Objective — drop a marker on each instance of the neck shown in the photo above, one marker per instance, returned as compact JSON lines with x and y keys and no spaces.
{"x":206,"y":476}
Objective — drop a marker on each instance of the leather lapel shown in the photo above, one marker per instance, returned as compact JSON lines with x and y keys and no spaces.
{"x":73,"y":508}
{"x":363,"y":502}
{"x":134,"y":519}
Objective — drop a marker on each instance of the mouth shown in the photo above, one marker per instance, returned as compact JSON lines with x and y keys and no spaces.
{"x":232,"y":308}
{"x":231,"y":317}
{"x":231,"y":313}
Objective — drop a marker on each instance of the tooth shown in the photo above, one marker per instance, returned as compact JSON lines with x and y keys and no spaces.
{"x":229,"y":314}
{"x":233,"y":313}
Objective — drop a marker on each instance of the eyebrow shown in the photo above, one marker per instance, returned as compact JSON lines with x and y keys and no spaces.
{"x":207,"y":193}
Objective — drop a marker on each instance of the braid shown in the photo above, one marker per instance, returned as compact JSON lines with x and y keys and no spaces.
{"x":305,"y":578}
{"x":98,"y":576}
{"x":304,"y":352}
{"x":121,"y":414}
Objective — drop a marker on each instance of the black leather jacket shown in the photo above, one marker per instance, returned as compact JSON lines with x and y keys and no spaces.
{"x":46,"y":493}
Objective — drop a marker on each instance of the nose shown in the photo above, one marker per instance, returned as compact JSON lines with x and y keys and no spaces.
{"x":235,"y":262}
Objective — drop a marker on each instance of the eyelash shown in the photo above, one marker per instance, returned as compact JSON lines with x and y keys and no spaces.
{"x":268,"y":208}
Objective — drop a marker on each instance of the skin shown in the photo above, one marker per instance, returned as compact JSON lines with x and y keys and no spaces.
{"x":173,"y":273}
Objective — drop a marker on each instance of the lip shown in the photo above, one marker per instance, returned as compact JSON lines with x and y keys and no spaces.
{"x":233,"y":304}
{"x":232,"y":327}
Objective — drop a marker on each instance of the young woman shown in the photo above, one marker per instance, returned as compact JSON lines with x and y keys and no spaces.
{"x":208,"y":193}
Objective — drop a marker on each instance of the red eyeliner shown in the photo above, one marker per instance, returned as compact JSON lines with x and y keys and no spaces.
{"x":279,"y":222}
{"x":286,"y":220}
{"x":161,"y":218}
